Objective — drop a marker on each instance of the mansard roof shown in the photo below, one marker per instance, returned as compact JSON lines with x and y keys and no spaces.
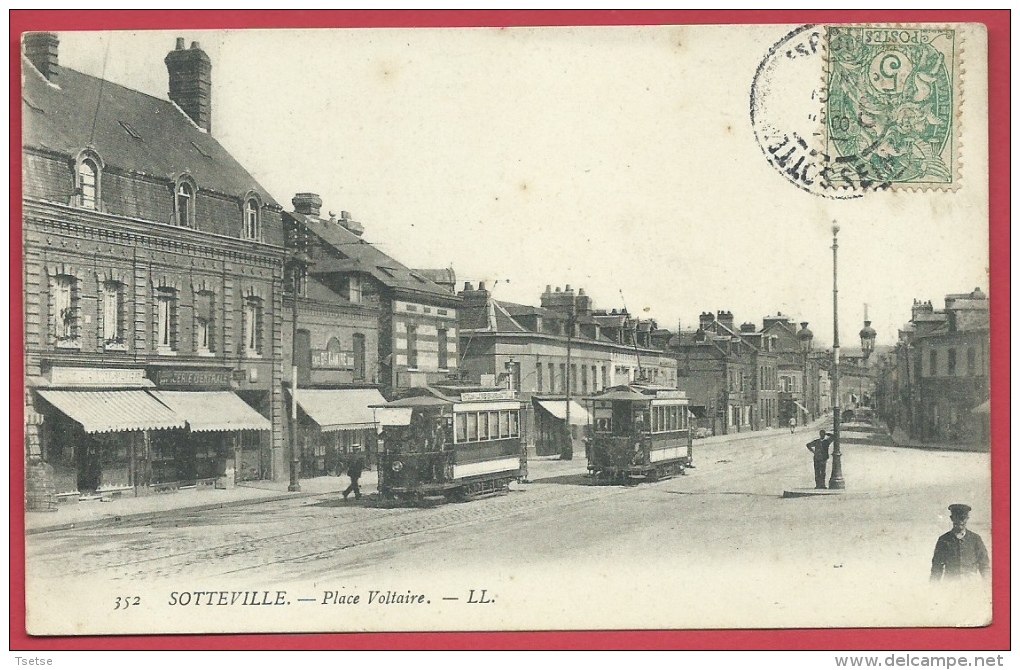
{"x":131,"y":131}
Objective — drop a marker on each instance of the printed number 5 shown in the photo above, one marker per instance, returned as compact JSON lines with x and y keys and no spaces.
{"x":122,"y":603}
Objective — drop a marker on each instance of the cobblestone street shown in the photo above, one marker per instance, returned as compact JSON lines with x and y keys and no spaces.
{"x":720,"y":540}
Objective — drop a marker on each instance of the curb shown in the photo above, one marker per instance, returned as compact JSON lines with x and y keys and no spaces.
{"x":141,"y":516}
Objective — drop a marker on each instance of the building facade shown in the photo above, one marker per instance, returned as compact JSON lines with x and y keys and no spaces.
{"x":939,"y":391}
{"x":153,"y":267}
{"x":730,"y":374}
{"x":525,"y":348}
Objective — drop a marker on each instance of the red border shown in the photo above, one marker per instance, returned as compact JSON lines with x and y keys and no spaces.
{"x":994,"y":637}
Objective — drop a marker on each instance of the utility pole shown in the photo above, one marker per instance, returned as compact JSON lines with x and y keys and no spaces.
{"x":567,"y":453}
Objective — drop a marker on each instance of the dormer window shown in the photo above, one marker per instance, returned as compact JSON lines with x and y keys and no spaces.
{"x":88,"y":169}
{"x":252,"y":230}
{"x":184,"y":202}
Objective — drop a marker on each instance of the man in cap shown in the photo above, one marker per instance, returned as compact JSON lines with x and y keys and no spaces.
{"x":960,"y":552}
{"x":820,"y":448}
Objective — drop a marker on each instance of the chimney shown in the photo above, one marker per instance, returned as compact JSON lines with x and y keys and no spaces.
{"x":350,"y":224}
{"x":191,"y":82}
{"x":582,"y":303}
{"x":747,"y":328}
{"x":726,"y":319}
{"x":705,"y":320}
{"x":41,"y":51}
{"x":474,"y":298}
{"x":308,"y":204}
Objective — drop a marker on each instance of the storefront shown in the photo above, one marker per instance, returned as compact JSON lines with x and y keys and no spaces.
{"x":333,"y":424}
{"x":550,"y":425}
{"x":224,"y":434}
{"x":99,"y":427}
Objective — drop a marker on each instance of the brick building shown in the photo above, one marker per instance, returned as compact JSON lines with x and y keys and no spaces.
{"x":525,"y":347}
{"x":153,"y":267}
{"x":415,"y":331}
{"x":730,"y":375}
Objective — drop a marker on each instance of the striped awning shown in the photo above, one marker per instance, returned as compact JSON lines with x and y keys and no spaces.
{"x":340,"y":409}
{"x":114,"y":411}
{"x":213,"y":411}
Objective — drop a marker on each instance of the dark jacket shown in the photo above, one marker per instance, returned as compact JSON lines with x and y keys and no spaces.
{"x":355,"y":466}
{"x":959,"y":557}
{"x":820,"y":448}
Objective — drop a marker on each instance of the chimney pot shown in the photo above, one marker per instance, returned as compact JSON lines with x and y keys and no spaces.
{"x":557,"y":289}
{"x":481,"y":286}
{"x":180,"y":43}
{"x":345,"y":215}
{"x":195,"y":45}
{"x":468,"y":286}
{"x":567,"y":289}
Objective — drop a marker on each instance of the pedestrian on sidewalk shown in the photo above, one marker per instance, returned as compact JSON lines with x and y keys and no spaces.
{"x":820,"y":449}
{"x":960,"y":553}
{"x":355,"y":466}
{"x":793,"y":423}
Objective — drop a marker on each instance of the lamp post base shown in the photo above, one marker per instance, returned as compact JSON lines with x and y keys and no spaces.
{"x":294,"y":486}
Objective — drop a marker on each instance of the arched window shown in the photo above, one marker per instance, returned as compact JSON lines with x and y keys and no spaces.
{"x":184,"y":202}
{"x":252,"y":230}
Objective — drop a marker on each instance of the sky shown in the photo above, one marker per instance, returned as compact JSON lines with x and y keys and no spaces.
{"x":620,"y":160}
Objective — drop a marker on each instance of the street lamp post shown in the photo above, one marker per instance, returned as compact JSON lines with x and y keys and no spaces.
{"x":298,"y":261}
{"x":868,"y":336}
{"x":836,"y":478}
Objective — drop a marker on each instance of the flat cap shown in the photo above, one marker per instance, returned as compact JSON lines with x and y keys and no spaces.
{"x":959,"y":509}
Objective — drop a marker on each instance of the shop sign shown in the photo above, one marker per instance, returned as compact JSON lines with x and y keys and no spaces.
{"x":332,"y":360}
{"x":671,"y":395}
{"x":191,"y":378}
{"x":70,"y":376}
{"x":472,"y":396}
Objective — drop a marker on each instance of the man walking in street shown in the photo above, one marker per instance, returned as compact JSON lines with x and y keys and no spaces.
{"x":354,"y":469}
{"x":793,"y":424}
{"x":820,"y":449}
{"x":960,"y":553}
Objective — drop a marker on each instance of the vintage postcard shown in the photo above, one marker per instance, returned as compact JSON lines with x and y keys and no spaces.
{"x":522,"y":328}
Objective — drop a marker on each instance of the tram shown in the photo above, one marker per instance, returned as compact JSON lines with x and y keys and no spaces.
{"x":450,"y":443}
{"x":639,"y":433}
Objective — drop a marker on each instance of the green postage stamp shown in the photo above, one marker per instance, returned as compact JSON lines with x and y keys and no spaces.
{"x":890,"y":108}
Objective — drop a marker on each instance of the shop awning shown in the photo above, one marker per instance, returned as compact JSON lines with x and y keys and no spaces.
{"x":340,"y":409}
{"x":558,"y":408}
{"x":983,"y":408}
{"x":114,"y":411}
{"x":209,"y":411}
{"x":802,"y":407}
{"x":393,"y":416}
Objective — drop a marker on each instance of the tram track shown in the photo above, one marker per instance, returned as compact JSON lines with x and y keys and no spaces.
{"x":301,"y":543}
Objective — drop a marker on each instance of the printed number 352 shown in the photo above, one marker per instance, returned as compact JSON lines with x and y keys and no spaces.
{"x":122,"y":603}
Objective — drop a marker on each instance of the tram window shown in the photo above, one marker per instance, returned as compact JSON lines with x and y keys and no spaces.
{"x":462,"y":428}
{"x":504,"y":424}
{"x":483,"y":427}
{"x":494,"y":425}
{"x":472,"y":427}
{"x":514,"y":424}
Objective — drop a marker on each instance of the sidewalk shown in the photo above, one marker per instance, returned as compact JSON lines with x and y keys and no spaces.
{"x":901,"y":439}
{"x":96,"y":513}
